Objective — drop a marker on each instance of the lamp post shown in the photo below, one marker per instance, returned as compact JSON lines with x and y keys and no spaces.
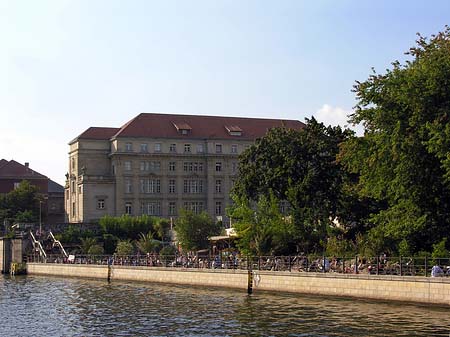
{"x":40,"y":218}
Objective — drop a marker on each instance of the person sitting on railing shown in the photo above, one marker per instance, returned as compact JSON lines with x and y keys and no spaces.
{"x":436,"y":271}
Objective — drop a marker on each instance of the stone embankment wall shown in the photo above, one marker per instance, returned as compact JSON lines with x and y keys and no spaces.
{"x":398,"y":288}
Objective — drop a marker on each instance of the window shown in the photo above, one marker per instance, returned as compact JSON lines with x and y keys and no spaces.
{"x":200,"y":148}
{"x":173,"y":148}
{"x":172,"y":186}
{"x":193,"y":186}
{"x":218,"y":167}
{"x":157,"y":147}
{"x":218,"y":208}
{"x":192,"y":166}
{"x":16,"y":185}
{"x":152,"y":166}
{"x":172,"y":166}
{"x":234,"y":148}
{"x":144,"y":147}
{"x":151,"y":208}
{"x":218,"y":148}
{"x":73,"y":209}
{"x":73,"y":163}
{"x":128,"y":188}
{"x":73,"y":186}
{"x":129,"y":147}
{"x":151,"y":186}
{"x":114,"y":169}
{"x":234,"y":167}
{"x":194,"y":206}
{"x":101,"y":204}
{"x":128,"y":208}
{"x":172,"y":208}
{"x":187,"y":148}
{"x":80,"y":189}
{"x":219,"y":186}
{"x":127,"y":165}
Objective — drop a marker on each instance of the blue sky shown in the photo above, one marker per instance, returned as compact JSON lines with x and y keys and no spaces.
{"x":67,"y":65}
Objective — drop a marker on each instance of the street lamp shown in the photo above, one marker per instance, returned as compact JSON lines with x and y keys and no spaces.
{"x":40,"y":218}
{"x":40,"y":214}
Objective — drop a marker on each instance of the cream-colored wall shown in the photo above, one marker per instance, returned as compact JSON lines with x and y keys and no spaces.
{"x":406,"y":288}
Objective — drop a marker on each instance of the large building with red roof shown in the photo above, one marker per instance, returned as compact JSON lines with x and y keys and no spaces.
{"x":13,"y":173}
{"x":157,"y":164}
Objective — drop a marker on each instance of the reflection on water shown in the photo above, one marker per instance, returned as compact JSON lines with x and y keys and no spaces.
{"x":38,"y":306}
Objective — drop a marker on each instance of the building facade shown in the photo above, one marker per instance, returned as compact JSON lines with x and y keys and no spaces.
{"x":157,"y":164}
{"x":51,"y":193}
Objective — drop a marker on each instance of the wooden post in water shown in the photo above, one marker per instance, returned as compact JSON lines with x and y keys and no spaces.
{"x":250,"y":277}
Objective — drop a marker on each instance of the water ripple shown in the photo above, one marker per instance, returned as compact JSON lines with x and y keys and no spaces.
{"x":38,"y":306}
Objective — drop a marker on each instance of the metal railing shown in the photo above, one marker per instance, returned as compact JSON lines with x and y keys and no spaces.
{"x":381,"y":265}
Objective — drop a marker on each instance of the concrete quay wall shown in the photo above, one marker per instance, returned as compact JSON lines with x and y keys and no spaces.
{"x":387,"y":288}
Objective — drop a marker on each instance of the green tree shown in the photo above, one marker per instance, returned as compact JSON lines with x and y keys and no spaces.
{"x":300,"y":167}
{"x":403,"y":159}
{"x":193,"y":230}
{"x":127,"y":227}
{"x":124,"y":247}
{"x":147,"y":243}
{"x":87,"y":244}
{"x":262,"y":230}
{"x":21,"y":203}
{"x":96,"y":250}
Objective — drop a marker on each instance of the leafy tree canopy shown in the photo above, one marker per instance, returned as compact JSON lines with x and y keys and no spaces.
{"x":21,"y":204}
{"x":403,"y":159}
{"x":193,"y":230}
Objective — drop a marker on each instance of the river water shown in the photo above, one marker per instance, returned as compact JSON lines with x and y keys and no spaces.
{"x":44,"y":306}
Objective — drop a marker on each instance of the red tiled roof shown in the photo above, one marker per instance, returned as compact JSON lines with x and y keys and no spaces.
{"x":97,"y":133}
{"x":152,"y":125}
{"x":17,"y":170}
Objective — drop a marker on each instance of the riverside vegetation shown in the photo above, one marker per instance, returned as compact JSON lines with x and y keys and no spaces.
{"x":323,"y":190}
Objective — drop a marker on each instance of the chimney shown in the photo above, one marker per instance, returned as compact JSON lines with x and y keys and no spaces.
{"x":27,"y":165}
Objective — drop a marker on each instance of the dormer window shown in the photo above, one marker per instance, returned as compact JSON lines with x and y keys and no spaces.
{"x":234,"y":130}
{"x":183,"y":128}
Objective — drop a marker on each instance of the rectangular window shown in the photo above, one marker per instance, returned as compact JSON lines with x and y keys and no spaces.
{"x":219,"y":186}
{"x":218,"y":167}
{"x":151,"y":208}
{"x":128,"y":208}
{"x":101,"y":204}
{"x":114,"y":169}
{"x":234,"y":167}
{"x":234,"y":148}
{"x":218,"y":148}
{"x":155,"y":166}
{"x":73,"y":163}
{"x":157,"y":147}
{"x":73,"y":209}
{"x":144,"y":147}
{"x":172,"y":186}
{"x":127,"y":165}
{"x":151,"y":186}
{"x":218,"y":208}
{"x":172,"y":208}
{"x":172,"y":166}
{"x":128,"y":188}
{"x":193,"y":186}
{"x":16,"y":185}
{"x":187,"y":148}
{"x":194,"y":206}
{"x":80,"y":189}
{"x":129,"y":147}
{"x":200,"y":148}
{"x":73,"y":186}
{"x":173,"y":148}
{"x":142,"y":166}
